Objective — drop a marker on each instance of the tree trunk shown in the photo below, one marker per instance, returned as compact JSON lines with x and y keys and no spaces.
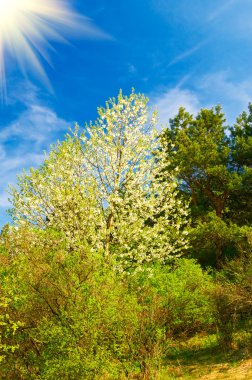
{"x":108,"y":233}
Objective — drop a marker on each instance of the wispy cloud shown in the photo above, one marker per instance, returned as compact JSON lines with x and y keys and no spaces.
{"x":220,"y":10}
{"x":23,"y":140}
{"x":187,"y":53}
{"x":202,"y":14}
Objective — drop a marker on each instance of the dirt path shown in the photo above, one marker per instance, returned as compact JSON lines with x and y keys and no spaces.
{"x":243,"y":371}
{"x":222,"y":371}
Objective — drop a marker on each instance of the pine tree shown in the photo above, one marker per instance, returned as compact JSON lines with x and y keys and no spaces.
{"x":214,"y":177}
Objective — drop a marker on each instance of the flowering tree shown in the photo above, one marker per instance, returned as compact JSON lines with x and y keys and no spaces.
{"x":107,"y":186}
{"x":59,"y":194}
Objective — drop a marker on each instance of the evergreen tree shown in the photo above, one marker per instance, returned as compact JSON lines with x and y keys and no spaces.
{"x":240,"y":205}
{"x":214,"y":174}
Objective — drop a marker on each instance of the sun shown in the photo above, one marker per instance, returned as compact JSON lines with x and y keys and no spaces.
{"x":7,"y":9}
{"x":27,"y":28}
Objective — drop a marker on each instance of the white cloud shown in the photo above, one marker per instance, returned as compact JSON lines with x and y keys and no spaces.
{"x":36,"y":124}
{"x":24,"y":139}
{"x":168,"y":102}
{"x":220,"y":88}
{"x":205,"y":91}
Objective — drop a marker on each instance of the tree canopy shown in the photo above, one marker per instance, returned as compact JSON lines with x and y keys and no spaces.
{"x":106,"y":186}
{"x":214,"y":169}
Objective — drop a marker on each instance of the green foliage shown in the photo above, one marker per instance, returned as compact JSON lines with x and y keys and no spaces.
{"x":241,"y":135}
{"x":241,"y":158}
{"x":214,"y":239}
{"x":75,"y":313}
{"x":8,"y":329}
{"x":179,"y":295}
{"x":232,"y":298}
{"x":214,"y":168}
{"x":9,"y":324}
{"x":78,"y":318}
{"x":200,"y":151}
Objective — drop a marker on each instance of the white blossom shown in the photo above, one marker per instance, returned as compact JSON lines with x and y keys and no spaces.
{"x":106,"y":187}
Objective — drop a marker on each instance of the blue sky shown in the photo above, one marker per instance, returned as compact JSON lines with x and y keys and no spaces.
{"x":192,"y":53}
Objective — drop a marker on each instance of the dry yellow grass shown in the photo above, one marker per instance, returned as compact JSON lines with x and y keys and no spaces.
{"x":222,"y":371}
{"x":241,"y":372}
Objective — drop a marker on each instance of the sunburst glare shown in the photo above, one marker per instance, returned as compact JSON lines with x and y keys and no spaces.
{"x":28,"y":26}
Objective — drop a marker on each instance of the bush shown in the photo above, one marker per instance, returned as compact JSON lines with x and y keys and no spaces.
{"x":175,"y":302}
{"x":233,"y":298}
{"x":180,"y":294}
{"x":76,"y":317}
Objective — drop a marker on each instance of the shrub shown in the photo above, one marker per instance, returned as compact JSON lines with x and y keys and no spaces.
{"x":178,"y":296}
{"x":232,"y":298}
{"x":78,"y":318}
{"x":76,"y":314}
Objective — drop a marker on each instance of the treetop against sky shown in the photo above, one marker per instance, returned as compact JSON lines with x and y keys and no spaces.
{"x":68,"y":57}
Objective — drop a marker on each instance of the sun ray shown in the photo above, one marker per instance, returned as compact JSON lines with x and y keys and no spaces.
{"x":28,"y":26}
